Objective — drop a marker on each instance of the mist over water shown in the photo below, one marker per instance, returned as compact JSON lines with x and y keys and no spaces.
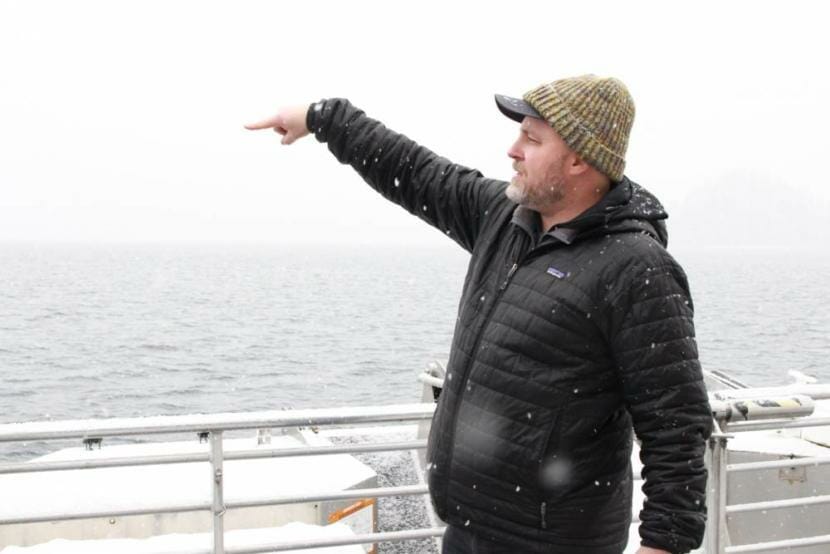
{"x":761,"y":312}
{"x":129,"y":330}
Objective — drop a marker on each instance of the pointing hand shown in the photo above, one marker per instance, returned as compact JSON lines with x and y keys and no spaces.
{"x":288,"y":122}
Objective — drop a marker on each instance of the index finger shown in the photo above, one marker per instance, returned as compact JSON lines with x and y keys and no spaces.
{"x":273,"y":121}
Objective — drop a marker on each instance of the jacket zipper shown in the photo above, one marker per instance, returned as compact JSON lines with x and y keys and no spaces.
{"x":522,"y":256}
{"x":451,"y":440}
{"x":509,"y":275}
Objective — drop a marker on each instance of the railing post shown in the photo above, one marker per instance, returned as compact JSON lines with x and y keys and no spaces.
{"x":716,"y":533}
{"x":710,"y":543}
{"x":217,"y":478}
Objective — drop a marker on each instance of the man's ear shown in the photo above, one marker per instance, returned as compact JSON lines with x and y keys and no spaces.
{"x":577,"y":166}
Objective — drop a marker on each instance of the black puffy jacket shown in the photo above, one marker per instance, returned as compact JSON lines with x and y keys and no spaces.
{"x":563,"y":340}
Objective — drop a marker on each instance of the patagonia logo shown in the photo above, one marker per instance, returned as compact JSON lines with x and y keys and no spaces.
{"x":556,"y":273}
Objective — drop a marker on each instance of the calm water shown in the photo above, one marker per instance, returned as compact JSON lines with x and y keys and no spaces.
{"x":103,"y":331}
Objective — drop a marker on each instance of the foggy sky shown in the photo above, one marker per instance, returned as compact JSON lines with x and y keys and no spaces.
{"x":122,"y":121}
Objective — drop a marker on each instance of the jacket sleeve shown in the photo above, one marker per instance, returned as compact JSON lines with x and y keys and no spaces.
{"x":654,"y":347}
{"x":448,"y":196}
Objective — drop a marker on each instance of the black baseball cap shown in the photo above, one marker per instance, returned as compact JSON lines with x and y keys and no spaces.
{"x":516,"y":108}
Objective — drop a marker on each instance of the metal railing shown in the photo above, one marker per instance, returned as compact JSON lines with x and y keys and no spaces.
{"x":215,"y":425}
{"x":717,"y":537}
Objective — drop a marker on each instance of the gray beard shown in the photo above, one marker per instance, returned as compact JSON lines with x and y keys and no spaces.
{"x":516,"y":194}
{"x":534,"y":199}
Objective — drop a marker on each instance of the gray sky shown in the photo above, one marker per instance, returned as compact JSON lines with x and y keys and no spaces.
{"x":122,"y":121}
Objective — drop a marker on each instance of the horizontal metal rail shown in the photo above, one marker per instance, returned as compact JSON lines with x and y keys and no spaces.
{"x":167,"y":509}
{"x":368,"y":538}
{"x":777,"y":504}
{"x":203,"y":423}
{"x":33,"y":467}
{"x":768,"y":424}
{"x":778,"y":464}
{"x":816,"y":391}
{"x":405,"y":490}
{"x":786,"y":544}
{"x":349,"y":494}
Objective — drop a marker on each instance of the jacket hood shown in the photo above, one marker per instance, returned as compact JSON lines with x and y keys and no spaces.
{"x":627,"y":207}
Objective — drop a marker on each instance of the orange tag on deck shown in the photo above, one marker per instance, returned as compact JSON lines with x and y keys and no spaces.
{"x":360,"y":516}
{"x":349,"y":510}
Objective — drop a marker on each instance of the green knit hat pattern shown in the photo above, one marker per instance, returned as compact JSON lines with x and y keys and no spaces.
{"x":593,"y":115}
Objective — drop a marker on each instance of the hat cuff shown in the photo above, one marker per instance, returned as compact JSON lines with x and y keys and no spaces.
{"x":575,"y":134}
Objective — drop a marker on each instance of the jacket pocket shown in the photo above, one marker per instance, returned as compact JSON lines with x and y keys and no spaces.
{"x":598,"y":510}
{"x":551,"y":468}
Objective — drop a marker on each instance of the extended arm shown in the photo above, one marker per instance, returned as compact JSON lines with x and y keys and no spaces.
{"x":450,"y":197}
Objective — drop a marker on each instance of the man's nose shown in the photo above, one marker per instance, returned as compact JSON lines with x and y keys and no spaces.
{"x":514,"y":152}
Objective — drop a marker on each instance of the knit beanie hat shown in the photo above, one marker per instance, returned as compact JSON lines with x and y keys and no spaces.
{"x":593,"y":115}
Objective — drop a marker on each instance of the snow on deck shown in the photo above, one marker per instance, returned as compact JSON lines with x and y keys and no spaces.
{"x":168,"y":544}
{"x":110,"y":489}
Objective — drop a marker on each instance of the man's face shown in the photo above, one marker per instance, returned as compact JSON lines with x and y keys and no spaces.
{"x":539,"y":157}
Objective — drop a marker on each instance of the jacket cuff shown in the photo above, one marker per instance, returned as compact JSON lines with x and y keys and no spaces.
{"x":313,"y":118}
{"x":652,"y":544}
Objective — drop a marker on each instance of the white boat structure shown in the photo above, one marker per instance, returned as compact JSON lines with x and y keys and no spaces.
{"x":299,"y":480}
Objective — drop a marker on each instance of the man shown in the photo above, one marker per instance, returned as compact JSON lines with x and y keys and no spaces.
{"x":574,"y":324}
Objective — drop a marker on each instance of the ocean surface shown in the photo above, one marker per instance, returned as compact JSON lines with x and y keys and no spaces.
{"x":130,"y":330}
